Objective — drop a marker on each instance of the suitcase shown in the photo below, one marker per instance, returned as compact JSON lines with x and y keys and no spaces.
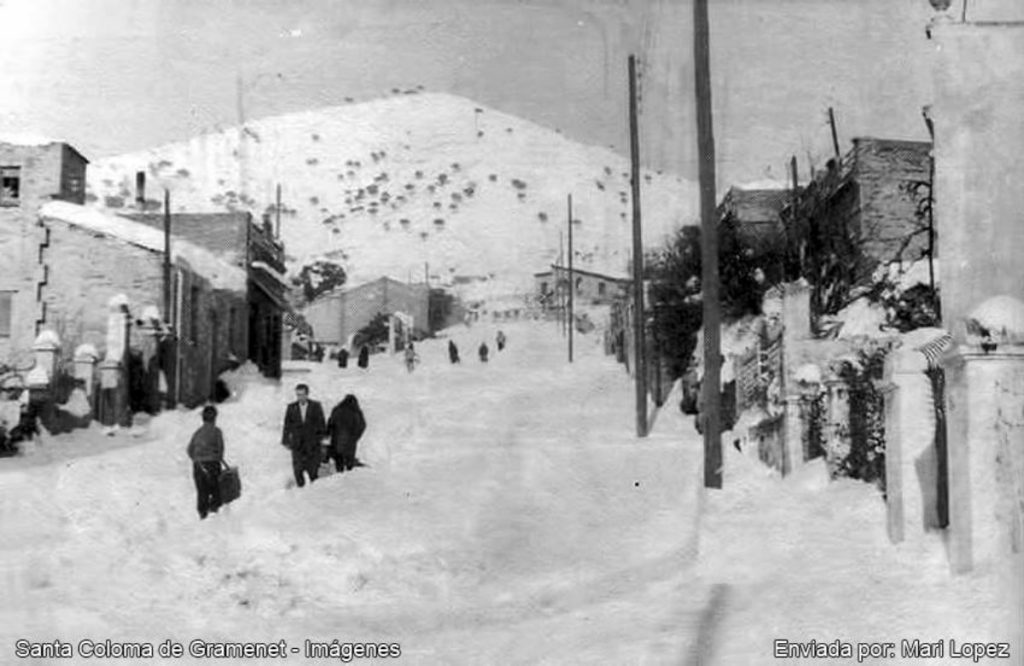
{"x":230,"y":484}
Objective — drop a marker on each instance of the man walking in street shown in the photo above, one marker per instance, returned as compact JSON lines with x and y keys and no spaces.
{"x":304,"y":428}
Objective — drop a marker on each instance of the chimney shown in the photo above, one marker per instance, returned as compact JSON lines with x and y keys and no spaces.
{"x":140,"y":189}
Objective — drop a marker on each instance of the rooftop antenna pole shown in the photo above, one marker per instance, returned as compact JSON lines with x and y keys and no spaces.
{"x":277,"y":212}
{"x":835,"y":135}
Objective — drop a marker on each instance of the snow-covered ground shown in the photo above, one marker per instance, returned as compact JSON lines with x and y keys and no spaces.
{"x":508,"y":515}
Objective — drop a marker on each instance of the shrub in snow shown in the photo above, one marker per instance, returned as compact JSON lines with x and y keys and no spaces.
{"x":113,"y":202}
{"x":493,"y":177}
{"x":600,"y":185}
{"x":319,"y":278}
{"x":858,"y":449}
{"x":312,"y":161}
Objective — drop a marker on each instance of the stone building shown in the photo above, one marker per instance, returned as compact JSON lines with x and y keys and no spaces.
{"x":31,"y":174}
{"x":237,"y":239}
{"x":867,"y":209}
{"x":90,"y":257}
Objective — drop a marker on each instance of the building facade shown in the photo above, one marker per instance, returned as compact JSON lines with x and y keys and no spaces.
{"x":237,"y":239}
{"x":30,"y":176}
{"x":338,"y":315}
{"x":208,"y":296}
{"x":590,"y":288}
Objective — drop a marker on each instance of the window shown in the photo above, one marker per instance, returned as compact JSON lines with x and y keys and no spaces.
{"x":600,"y":289}
{"x":10,"y":186}
{"x":579,"y":283}
{"x":543,"y":287}
{"x":6,"y":304}
{"x":231,"y":329}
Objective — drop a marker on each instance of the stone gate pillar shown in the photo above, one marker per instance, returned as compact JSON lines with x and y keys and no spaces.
{"x":985,"y":408}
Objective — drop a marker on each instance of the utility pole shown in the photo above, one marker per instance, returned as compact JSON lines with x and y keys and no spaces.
{"x":167,"y":255}
{"x":572,"y":286}
{"x":709,"y":249}
{"x":835,"y":135}
{"x":640,"y":366}
{"x":559,"y":277}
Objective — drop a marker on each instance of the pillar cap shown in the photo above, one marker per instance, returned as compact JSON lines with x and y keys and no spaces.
{"x":86,"y":352}
{"x":47,"y":340}
{"x":997,"y":321}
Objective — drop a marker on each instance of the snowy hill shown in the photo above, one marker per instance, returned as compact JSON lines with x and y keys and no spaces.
{"x":387,"y":186}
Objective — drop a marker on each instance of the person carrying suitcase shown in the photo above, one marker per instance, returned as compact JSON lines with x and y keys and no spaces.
{"x":206,"y":450}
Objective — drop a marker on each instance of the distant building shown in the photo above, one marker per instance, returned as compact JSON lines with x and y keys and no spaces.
{"x":756,"y":214}
{"x":340,"y":314}
{"x":867,"y":209}
{"x":30,"y":175}
{"x":590,"y":288}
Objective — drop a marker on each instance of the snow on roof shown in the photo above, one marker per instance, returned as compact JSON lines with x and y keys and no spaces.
{"x":272,"y":272}
{"x":26,"y":139}
{"x":221,"y":274}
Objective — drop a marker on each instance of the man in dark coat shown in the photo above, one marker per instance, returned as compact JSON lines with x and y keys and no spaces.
{"x":342,"y":358}
{"x":501,"y":340}
{"x":364,"y":357}
{"x":453,"y":352}
{"x":206,"y":449}
{"x":345,"y":426}
{"x":483,"y":352}
{"x":303,"y":429}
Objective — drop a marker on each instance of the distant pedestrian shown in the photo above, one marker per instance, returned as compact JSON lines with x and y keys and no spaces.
{"x":364,"y":357}
{"x":345,"y":427}
{"x":342,"y":358}
{"x":501,"y":340}
{"x":411,"y":358}
{"x":206,"y":450}
{"x":304,"y":428}
{"x":453,"y":352}
{"x":484,"y":351}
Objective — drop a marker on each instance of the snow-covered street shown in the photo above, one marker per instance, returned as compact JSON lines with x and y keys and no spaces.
{"x":508,"y":515}
{"x":507,"y":510}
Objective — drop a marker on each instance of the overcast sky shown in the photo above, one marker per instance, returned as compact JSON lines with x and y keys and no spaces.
{"x":116,"y":75}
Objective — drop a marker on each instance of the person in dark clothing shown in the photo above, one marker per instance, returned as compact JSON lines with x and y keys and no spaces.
{"x":345,"y":427}
{"x":364,"y":357}
{"x":343,"y":358}
{"x":453,"y":352}
{"x":303,"y":429}
{"x":483,"y":352}
{"x":206,"y":449}
{"x":501,"y":340}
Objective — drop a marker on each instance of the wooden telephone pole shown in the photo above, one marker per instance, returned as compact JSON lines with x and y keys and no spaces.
{"x":167,"y":255}
{"x":572,"y":286}
{"x":711,"y":412}
{"x":640,"y":365}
